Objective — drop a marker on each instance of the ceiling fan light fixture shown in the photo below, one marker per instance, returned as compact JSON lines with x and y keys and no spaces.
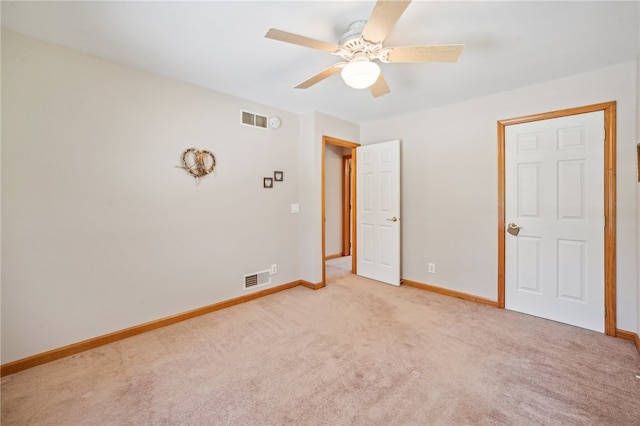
{"x":360,"y":73}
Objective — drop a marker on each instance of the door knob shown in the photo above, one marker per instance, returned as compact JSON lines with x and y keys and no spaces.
{"x":513,"y":229}
{"x":393,"y":219}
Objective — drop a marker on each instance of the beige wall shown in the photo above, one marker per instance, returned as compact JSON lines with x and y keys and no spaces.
{"x":100,"y":230}
{"x":449,"y":181}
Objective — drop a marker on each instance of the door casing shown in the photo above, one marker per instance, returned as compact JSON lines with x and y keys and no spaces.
{"x":609,"y":109}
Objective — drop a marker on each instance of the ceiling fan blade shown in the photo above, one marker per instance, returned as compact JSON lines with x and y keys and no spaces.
{"x":301,"y":40}
{"x":384,"y":16}
{"x":438,"y":53}
{"x":379,"y":88}
{"x":321,"y":75}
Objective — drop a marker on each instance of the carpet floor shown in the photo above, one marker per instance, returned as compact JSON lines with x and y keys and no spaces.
{"x":357,"y":352}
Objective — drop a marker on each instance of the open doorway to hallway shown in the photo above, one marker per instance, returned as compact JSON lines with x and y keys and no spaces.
{"x":338,"y":203}
{"x":338,"y":267}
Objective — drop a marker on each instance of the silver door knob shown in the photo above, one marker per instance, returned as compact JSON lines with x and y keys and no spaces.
{"x":393,"y":219}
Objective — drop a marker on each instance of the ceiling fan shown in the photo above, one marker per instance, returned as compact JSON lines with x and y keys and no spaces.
{"x":362,"y":44}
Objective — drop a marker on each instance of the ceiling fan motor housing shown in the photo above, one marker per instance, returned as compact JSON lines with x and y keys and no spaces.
{"x":354,"y":31}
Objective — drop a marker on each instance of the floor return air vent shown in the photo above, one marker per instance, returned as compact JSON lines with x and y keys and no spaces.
{"x":256,"y":279}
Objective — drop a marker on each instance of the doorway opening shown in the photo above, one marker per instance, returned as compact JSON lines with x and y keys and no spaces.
{"x":609,"y":109}
{"x":346,"y":206}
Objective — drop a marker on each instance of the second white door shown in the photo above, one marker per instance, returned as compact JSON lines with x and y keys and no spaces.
{"x":554,"y":205}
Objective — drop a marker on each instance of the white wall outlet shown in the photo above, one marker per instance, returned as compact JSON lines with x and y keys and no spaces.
{"x":274,"y":269}
{"x":295,"y":208}
{"x":432,"y":268}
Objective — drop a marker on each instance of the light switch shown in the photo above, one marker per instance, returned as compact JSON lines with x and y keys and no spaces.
{"x":295,"y":208}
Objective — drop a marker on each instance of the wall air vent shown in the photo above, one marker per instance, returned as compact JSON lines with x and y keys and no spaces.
{"x":254,"y":120}
{"x":256,"y":279}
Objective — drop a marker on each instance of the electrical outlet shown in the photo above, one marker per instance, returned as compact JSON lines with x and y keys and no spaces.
{"x":274,"y":269}
{"x":432,"y":268}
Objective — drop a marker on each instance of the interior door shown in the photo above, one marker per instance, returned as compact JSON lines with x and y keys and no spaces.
{"x":554,"y":214}
{"x":378,"y":211}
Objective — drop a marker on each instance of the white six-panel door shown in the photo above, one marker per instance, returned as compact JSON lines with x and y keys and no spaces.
{"x":378,"y":211}
{"x":554,"y":193}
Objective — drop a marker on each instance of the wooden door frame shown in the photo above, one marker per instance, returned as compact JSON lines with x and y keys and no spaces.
{"x":354,"y":249}
{"x":346,"y":204}
{"x":609,"y":109}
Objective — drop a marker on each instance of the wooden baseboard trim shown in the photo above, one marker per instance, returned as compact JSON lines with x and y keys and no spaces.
{"x":65,"y":351}
{"x":629,"y":335}
{"x":452,"y":293}
{"x":312,"y":286}
{"x":333,"y":256}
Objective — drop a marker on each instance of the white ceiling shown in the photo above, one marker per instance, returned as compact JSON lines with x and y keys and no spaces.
{"x":221,"y":45}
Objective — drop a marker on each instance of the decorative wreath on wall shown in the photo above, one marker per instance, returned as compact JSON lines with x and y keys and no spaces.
{"x":198,"y":163}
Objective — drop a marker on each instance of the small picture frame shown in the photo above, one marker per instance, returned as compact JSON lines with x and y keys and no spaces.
{"x":268,"y":182}
{"x":278,"y":176}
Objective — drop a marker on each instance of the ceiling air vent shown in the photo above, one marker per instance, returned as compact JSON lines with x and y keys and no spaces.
{"x":255,"y":120}
{"x":256,"y":279}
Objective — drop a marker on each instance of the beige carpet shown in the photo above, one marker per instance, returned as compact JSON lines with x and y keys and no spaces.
{"x":356,"y":352}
